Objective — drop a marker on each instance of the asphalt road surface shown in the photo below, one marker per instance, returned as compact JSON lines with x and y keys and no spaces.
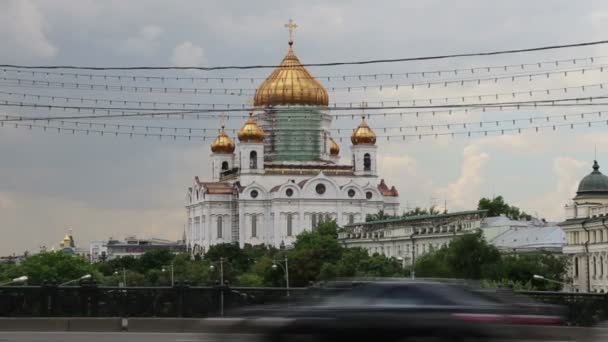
{"x":122,"y":337}
{"x":166,"y":337}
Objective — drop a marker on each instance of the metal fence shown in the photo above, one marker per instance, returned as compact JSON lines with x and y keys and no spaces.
{"x":90,"y":300}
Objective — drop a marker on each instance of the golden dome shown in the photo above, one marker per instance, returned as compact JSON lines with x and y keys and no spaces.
{"x":291,"y":84}
{"x":334,"y":148}
{"x":251,"y":132}
{"x":363,"y":135}
{"x":222,"y":144}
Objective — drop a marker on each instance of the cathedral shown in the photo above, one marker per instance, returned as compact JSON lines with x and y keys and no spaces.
{"x":284,"y":175}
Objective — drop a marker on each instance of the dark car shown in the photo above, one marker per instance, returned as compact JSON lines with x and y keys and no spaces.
{"x":412,"y":311}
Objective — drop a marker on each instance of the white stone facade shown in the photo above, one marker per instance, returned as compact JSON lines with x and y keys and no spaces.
{"x":412,"y":237}
{"x":586,"y":229}
{"x":275,"y":205}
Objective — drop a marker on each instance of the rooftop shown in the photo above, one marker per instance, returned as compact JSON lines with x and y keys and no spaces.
{"x":420,"y":217}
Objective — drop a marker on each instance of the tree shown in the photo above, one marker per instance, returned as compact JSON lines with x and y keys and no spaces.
{"x":419,"y":212}
{"x":55,"y":267}
{"x":154,"y":260}
{"x":497,"y":206}
{"x":311,"y":250}
{"x":379,"y":216}
{"x":467,"y":257}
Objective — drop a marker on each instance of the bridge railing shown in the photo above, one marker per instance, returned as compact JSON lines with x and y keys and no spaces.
{"x":181,"y":300}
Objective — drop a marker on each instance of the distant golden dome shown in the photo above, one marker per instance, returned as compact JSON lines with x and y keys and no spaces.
{"x":222,"y":144}
{"x":334,"y":148}
{"x":363,"y":135}
{"x":251,"y":132}
{"x":291,"y":84}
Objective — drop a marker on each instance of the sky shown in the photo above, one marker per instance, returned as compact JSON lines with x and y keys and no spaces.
{"x":106,"y":186}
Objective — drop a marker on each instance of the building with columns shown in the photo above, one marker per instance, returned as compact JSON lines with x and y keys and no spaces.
{"x":411,"y":237}
{"x":586,"y":229}
{"x":285,"y":176}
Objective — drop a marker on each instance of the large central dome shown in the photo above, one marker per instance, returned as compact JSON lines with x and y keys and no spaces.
{"x":291,"y":84}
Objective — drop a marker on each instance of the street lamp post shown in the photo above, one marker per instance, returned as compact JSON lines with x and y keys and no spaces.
{"x":172,"y":273}
{"x":285,"y":268}
{"x":18,"y":280}
{"x":84,"y":277}
{"x":540,"y":277}
{"x":212,"y":267}
{"x":124,"y":276}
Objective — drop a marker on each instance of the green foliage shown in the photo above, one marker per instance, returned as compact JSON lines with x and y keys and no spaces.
{"x":152,"y":260}
{"x":54,"y":267}
{"x":466,"y":257}
{"x":380,"y":216}
{"x":497,"y":207}
{"x":309,"y":252}
{"x":471,"y":257}
{"x":250,"y":279}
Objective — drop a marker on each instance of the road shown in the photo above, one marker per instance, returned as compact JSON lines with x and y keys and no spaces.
{"x":165,"y":337}
{"x":121,"y":337}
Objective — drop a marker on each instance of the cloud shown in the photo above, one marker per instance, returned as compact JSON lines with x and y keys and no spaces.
{"x":567,"y":172}
{"x":6,"y":202}
{"x":55,"y":214}
{"x":404,"y":172}
{"x":23,"y":32}
{"x":466,"y":190}
{"x":188,"y":54}
{"x":145,"y":41}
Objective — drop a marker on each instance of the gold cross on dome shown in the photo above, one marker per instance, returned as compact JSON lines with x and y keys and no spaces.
{"x":291,"y":26}
{"x":363,"y":106}
{"x":223,"y":119}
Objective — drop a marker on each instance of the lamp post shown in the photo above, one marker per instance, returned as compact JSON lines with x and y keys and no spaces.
{"x":212,"y":267}
{"x":84,"y":277}
{"x":285,"y":268}
{"x":540,"y":277}
{"x":164,"y":269}
{"x":19,"y":280}
{"x":124,"y":277}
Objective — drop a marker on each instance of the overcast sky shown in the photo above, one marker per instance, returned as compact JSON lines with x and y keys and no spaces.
{"x":105,"y":186}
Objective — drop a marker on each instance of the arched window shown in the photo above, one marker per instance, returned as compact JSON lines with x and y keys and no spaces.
{"x":367,"y":162}
{"x":254,"y":225}
{"x":289,"y":224}
{"x":219,"y":227}
{"x":224,"y":166}
{"x":253,"y":160}
{"x":351,"y":219}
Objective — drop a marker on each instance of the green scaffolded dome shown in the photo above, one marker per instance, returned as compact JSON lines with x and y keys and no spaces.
{"x":594,"y":185}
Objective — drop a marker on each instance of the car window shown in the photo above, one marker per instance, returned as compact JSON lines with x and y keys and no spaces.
{"x":408,"y":295}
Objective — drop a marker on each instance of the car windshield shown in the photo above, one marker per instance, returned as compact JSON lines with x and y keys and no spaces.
{"x":409,"y":294}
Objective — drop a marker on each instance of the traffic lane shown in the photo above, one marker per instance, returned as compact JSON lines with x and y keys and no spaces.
{"x":598,"y":335}
{"x":123,"y":337}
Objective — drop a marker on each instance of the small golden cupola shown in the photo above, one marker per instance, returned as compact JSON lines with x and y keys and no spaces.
{"x":251,"y":132}
{"x":291,"y":83}
{"x":363,"y":135}
{"x":334,"y":148}
{"x":223,"y":144}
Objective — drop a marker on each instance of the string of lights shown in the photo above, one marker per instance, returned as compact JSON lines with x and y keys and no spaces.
{"x":22,"y":82}
{"x":124,"y":112}
{"x":329,"y":78}
{"x":413,"y":102}
{"x":363,"y":62}
{"x":432,"y":127}
{"x":175,"y":136}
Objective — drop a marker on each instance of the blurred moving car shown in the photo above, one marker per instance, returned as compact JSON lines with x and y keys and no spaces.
{"x":413,"y":311}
